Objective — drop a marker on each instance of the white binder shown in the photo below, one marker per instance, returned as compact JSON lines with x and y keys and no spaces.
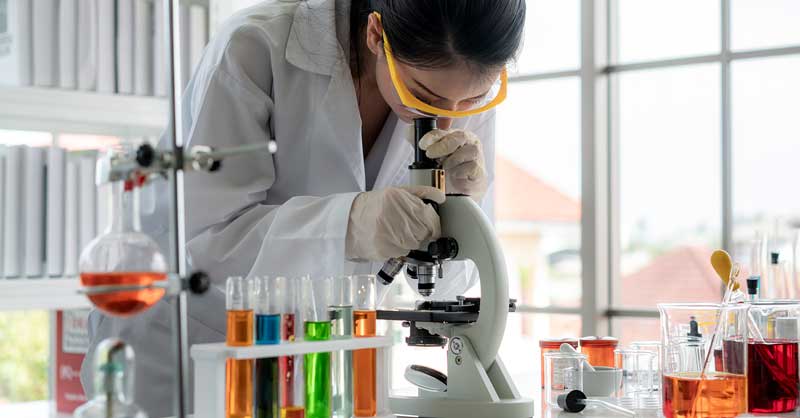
{"x":87,"y":45}
{"x":71,"y":209}
{"x":45,"y":43}
{"x":34,"y":212}
{"x":87,"y":193}
{"x":56,"y":186}
{"x":106,"y":47}
{"x":13,"y":213}
{"x":68,"y":44}
{"x":142,"y":47}
{"x":199,"y":34}
{"x":125,"y":46}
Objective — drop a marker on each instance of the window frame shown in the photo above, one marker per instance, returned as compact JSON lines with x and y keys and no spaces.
{"x":600,"y":176}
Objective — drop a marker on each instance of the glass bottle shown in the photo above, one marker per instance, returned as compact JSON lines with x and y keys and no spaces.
{"x":113,"y":383}
{"x":123,"y":255}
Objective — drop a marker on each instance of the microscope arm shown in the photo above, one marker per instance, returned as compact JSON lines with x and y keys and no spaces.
{"x":464,"y":220}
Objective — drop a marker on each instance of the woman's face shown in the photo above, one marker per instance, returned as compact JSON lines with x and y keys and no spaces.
{"x":457,"y":87}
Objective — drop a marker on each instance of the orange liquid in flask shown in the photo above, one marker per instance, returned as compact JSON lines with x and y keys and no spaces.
{"x":129,"y":302}
{"x":364,"y":384}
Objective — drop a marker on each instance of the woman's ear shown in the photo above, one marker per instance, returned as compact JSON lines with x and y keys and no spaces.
{"x":374,"y":33}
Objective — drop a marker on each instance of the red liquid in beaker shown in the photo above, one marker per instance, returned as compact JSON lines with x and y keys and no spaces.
{"x":128,"y":302}
{"x":772,"y":376}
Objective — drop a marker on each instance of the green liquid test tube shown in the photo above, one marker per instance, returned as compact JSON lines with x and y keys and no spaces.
{"x":318,"y":372}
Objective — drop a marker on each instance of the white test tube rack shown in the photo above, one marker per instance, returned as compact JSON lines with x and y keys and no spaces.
{"x":210,"y":359}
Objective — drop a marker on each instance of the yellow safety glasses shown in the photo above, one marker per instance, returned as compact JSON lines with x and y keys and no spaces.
{"x":495,"y":96}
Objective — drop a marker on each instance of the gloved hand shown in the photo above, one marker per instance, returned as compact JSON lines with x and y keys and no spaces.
{"x":461,"y":155}
{"x":391,"y":222}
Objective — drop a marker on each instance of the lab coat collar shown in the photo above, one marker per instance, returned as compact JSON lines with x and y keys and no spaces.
{"x":319,"y":29}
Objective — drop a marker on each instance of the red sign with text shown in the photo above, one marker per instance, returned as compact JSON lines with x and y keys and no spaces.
{"x":72,"y":343}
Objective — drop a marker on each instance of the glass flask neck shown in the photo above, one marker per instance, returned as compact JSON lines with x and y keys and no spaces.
{"x":124,"y":210}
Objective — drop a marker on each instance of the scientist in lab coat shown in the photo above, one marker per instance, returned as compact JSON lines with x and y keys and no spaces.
{"x":335,"y":83}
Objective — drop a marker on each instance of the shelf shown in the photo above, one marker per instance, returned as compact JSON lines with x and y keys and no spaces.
{"x":41,"y":294}
{"x":36,"y":409}
{"x":80,"y":112}
{"x":220,"y":350}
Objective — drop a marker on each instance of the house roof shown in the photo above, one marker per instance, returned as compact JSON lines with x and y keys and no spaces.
{"x":521,"y":196}
{"x":683,"y":274}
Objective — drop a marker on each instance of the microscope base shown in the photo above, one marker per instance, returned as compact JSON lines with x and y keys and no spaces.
{"x":472,"y":390}
{"x":445,"y":407}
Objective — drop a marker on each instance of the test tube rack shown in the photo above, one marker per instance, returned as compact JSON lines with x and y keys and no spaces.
{"x":209,"y":367}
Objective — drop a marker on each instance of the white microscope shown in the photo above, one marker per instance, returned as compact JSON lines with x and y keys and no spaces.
{"x":477,"y":383}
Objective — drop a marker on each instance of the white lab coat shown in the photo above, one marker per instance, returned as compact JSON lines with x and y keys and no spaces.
{"x":276,"y":70}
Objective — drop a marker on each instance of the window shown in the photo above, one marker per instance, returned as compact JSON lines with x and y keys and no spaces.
{"x":764,"y":24}
{"x":657,"y":29}
{"x":670,"y":184}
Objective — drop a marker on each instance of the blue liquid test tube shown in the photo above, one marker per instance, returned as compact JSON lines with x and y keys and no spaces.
{"x":268,"y":300}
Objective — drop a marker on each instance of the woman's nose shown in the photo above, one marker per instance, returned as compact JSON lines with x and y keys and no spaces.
{"x":444,"y":123}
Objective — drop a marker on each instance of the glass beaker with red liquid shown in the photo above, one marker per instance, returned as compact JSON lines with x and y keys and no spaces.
{"x":694,"y":385}
{"x":124,"y":256}
{"x":772,"y":357}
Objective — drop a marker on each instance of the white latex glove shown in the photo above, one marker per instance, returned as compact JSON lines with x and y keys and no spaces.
{"x":391,"y":222}
{"x":461,"y":155}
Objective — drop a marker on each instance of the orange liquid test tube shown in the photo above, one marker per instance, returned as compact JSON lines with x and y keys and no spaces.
{"x":365,"y":393}
{"x":241,"y":328}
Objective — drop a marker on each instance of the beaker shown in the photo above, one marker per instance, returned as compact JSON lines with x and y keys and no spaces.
{"x":694,"y":384}
{"x":637,"y":368}
{"x":563,"y":372}
{"x":123,"y":256}
{"x":772,"y":357}
{"x":553,"y":344}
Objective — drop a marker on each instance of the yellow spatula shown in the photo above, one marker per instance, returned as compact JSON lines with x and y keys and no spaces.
{"x":721,"y":261}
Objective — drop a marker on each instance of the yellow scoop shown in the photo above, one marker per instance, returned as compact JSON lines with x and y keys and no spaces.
{"x":721,"y":261}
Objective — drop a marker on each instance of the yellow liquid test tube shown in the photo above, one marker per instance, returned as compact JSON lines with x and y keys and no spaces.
{"x":365,"y":402}
{"x":239,"y":373}
{"x":293,"y":412}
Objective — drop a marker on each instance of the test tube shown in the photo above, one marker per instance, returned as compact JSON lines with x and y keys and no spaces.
{"x":364,"y":361}
{"x":268,"y":331}
{"x":316,"y":297}
{"x":341,"y":315}
{"x":239,"y":373}
{"x":289,"y":366}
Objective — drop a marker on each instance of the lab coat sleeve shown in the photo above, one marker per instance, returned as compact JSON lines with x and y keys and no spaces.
{"x":230,"y":230}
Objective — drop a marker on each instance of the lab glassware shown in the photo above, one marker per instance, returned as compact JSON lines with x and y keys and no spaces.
{"x":637,"y":368}
{"x":289,"y":366}
{"x":123,"y":255}
{"x":694,"y":384}
{"x":654,"y":395}
{"x":341,"y":314}
{"x":554,"y":344}
{"x":113,"y":383}
{"x":365,"y":402}
{"x":772,"y":357}
{"x":268,"y":300}
{"x":316,"y":297}
{"x":599,"y":350}
{"x":239,"y":373}
{"x":563,"y":373}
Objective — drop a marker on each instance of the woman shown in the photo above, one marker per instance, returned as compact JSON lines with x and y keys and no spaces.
{"x":335,"y":83}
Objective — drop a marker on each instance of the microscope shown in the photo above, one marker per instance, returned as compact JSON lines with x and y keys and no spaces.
{"x":477,"y":383}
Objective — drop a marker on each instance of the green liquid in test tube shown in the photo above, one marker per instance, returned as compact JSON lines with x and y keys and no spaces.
{"x":318,"y":372}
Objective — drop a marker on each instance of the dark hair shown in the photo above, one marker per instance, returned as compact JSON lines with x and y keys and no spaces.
{"x":485,"y":34}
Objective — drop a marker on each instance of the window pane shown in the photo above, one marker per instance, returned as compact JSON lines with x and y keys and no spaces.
{"x":630,"y":330}
{"x":670,"y":186}
{"x":23,"y":372}
{"x":658,"y":29}
{"x":537,"y":191}
{"x":552,"y":36}
{"x":763,"y":24}
{"x":766,"y":145}
{"x":520,"y":349}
